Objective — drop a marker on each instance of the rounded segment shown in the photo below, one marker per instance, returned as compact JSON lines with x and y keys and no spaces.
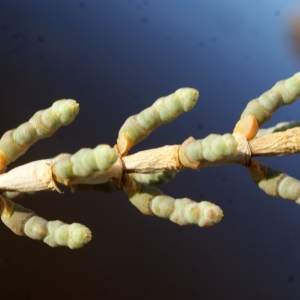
{"x":274,"y":182}
{"x":10,"y":148}
{"x":74,"y":236}
{"x":254,"y":108}
{"x":135,"y":129}
{"x":151,"y":201}
{"x":170,"y":107}
{"x":66,"y":109}
{"x":44,"y":123}
{"x":25,"y":135}
{"x":63,"y":167}
{"x":284,"y":92}
{"x":149,"y":118}
{"x":186,"y":212}
{"x":271,"y":100}
{"x":105,"y":157}
{"x":85,"y":161}
{"x":24,"y":222}
{"x":164,"y":110}
{"x":289,"y":89}
{"x":36,"y":228}
{"x":289,"y":189}
{"x":14,"y":216}
{"x":212,"y":148}
{"x":61,"y":113}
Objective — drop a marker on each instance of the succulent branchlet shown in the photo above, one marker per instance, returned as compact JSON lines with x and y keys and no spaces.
{"x":284,"y":92}
{"x":24,"y":222}
{"x":109,"y":169}
{"x":151,"y":201}
{"x":164,"y":110}
{"x":44,"y":123}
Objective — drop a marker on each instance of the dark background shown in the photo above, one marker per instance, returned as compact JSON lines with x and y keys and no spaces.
{"x":115,"y":58}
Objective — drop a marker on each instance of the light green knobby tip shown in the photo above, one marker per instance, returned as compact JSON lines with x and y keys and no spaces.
{"x":284,"y":92}
{"x":274,"y":182}
{"x":43,"y":123}
{"x":151,"y":201}
{"x":164,"y":110}
{"x":74,"y":235}
{"x":67,"y":110}
{"x":170,"y":107}
{"x":61,"y":113}
{"x":85,"y":161}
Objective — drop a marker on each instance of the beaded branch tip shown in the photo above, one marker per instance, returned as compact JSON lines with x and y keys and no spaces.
{"x":44,"y":123}
{"x":109,"y":169}
{"x":25,"y":222}
{"x":284,"y":92}
{"x":151,"y":201}
{"x":164,"y":110}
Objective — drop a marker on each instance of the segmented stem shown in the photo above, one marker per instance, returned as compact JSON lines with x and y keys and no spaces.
{"x":44,"y":123}
{"x":85,"y":162}
{"x":151,"y":201}
{"x":212,"y":148}
{"x":284,"y":92}
{"x":164,"y":110}
{"x":274,"y":183}
{"x":25,"y":222}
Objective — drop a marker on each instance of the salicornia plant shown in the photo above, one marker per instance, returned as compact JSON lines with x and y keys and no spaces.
{"x":111,"y":169}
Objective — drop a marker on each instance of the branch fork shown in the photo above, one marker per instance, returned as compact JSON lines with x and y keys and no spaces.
{"x":109,"y":169}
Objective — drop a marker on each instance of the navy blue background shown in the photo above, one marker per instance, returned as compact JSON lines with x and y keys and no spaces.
{"x":115,"y":58}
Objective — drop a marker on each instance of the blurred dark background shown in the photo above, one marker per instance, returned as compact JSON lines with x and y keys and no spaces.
{"x":115,"y":58}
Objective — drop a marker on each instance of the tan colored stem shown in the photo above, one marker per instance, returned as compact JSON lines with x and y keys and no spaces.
{"x":31,"y":177}
{"x":166,"y":158}
{"x":277,"y":144}
{"x":154,"y":160}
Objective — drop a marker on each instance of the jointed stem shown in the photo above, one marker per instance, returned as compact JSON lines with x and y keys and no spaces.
{"x":110,"y":169}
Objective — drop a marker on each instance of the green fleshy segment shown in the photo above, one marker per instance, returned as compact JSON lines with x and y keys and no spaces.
{"x":164,"y":110}
{"x":153,"y":202}
{"x":44,"y":123}
{"x":275,"y":183}
{"x":212,"y":148}
{"x":284,"y":92}
{"x":61,"y":113}
{"x":84,"y":162}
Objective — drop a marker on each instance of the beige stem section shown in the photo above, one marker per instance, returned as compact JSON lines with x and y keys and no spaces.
{"x":39,"y":175}
{"x":34,"y":176}
{"x":277,"y":144}
{"x":155,"y":160}
{"x":167,"y":158}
